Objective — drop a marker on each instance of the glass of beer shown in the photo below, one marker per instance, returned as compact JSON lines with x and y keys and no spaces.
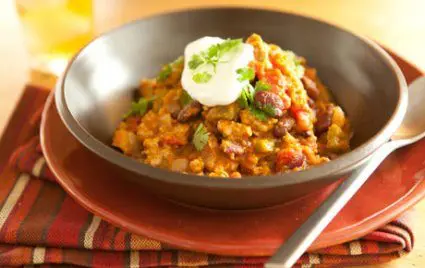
{"x":54,"y":30}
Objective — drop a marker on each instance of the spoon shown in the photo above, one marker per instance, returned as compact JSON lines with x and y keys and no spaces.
{"x":411,"y":130}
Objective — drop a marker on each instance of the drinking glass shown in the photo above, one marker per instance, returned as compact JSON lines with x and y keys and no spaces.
{"x":54,"y":30}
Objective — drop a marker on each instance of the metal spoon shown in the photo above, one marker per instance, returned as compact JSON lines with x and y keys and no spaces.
{"x":411,"y":130}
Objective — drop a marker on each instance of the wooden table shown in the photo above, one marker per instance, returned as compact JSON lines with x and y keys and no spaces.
{"x":398,"y":24}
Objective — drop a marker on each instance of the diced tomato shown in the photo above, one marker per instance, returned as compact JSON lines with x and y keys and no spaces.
{"x":172,"y":140}
{"x":132,"y":123}
{"x":275,"y":77}
{"x":303,"y":119}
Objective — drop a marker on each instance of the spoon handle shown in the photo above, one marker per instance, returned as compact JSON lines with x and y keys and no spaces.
{"x":301,"y":239}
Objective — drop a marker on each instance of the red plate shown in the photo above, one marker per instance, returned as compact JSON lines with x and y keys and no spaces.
{"x":394,"y":187}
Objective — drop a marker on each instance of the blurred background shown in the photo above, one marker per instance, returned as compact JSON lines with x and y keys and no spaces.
{"x":42,"y":35}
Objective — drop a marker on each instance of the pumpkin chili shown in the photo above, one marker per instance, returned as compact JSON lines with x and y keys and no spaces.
{"x":286,"y":120}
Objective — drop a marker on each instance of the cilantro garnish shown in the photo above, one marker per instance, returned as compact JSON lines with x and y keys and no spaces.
{"x":200,"y":137}
{"x":246,"y":100}
{"x":139,"y":108}
{"x":247,"y":96}
{"x":211,"y":56}
{"x":245,"y":74}
{"x":195,"y":61}
{"x":262,"y":86}
{"x":165,"y":72}
{"x":269,"y":110}
{"x":178,"y":61}
{"x":185,"y":98}
{"x":167,"y":69}
{"x":202,"y":78}
{"x":258,"y":113}
{"x":229,"y":44}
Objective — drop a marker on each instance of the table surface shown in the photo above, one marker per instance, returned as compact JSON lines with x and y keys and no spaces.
{"x":399,"y":25}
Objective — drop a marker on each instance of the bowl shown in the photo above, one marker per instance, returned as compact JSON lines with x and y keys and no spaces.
{"x":98,"y":86}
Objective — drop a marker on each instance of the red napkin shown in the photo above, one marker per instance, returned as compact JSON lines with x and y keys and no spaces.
{"x":41,"y":224}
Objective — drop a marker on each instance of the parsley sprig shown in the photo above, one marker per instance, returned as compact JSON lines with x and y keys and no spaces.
{"x":211,"y":57}
{"x":200,"y":137}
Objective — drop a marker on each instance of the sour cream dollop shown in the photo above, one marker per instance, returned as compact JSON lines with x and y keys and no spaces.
{"x":223,"y":87}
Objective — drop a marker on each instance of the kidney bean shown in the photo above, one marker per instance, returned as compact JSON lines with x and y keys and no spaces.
{"x":289,"y":158}
{"x":311,"y":87}
{"x":324,"y":120}
{"x":175,"y":114}
{"x":283,"y":126}
{"x":305,"y":134}
{"x":230,"y":147}
{"x":174,"y":109}
{"x":311,"y":103}
{"x":270,"y":103}
{"x":191,"y":110}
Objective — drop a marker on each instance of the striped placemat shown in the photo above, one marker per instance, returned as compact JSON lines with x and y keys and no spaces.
{"x":41,"y":225}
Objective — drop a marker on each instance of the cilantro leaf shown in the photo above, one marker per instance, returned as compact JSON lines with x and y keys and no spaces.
{"x":247,"y":97}
{"x":195,"y":61}
{"x":185,"y":98}
{"x":245,"y":74}
{"x":247,"y":101}
{"x":178,"y":61}
{"x":139,"y":108}
{"x":165,"y":73}
{"x":200,"y":137}
{"x":262,"y":86}
{"x":213,"y":53}
{"x":211,"y":56}
{"x":269,"y":110}
{"x":243,"y":99}
{"x":258,"y":113}
{"x":167,"y":69}
{"x":202,"y":78}
{"x":229,"y":44}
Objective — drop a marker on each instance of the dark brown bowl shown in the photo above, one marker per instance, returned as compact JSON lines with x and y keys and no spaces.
{"x":96,"y":90}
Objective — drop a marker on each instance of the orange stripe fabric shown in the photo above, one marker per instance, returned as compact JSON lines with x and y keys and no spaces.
{"x":38,"y":220}
{"x":62,"y":232}
{"x":42,"y":225}
{"x":105,"y":236}
{"x":11,"y":227}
